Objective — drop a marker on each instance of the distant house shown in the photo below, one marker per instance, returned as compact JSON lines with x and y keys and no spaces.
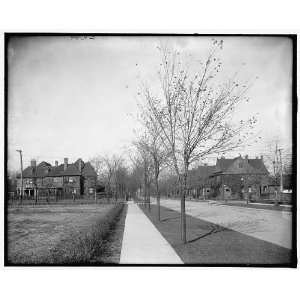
{"x":239,"y":178}
{"x":273,"y":188}
{"x":65,"y":179}
{"x":198,"y":181}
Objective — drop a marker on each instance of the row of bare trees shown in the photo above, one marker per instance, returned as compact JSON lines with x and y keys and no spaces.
{"x":152,"y":157}
{"x":188,"y":119}
{"x":112,"y":173}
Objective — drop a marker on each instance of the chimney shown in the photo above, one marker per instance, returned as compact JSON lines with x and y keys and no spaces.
{"x":262,"y":157}
{"x":65,"y":163}
{"x":33,"y":163}
{"x":80,"y":165}
{"x":56,"y":163}
{"x":246,"y":157}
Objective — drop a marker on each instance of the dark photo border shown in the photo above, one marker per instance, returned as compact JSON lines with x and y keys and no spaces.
{"x":292,"y":37}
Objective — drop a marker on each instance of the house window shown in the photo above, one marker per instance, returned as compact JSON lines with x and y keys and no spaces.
{"x":71,"y":179}
{"x":57,"y":179}
{"x":227,"y":190}
{"x":91,"y":190}
{"x":240,"y":165}
{"x":265,"y":188}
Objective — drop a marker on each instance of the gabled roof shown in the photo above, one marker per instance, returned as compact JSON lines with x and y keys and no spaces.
{"x":258,"y":164}
{"x":88,"y":170}
{"x":251,"y":166}
{"x":56,"y":171}
{"x":205,"y":171}
{"x":44,"y":169}
{"x":28,"y":172}
{"x":223,"y":164}
{"x":199,"y":174}
{"x":72,"y":169}
{"x":38,"y":171}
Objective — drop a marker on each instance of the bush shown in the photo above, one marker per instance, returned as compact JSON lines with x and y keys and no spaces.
{"x":90,"y":247}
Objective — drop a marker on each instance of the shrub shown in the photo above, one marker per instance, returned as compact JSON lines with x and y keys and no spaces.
{"x":90,"y":247}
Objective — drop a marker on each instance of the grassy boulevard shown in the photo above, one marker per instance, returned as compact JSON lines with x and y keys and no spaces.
{"x":74,"y":235}
{"x":209,"y":243}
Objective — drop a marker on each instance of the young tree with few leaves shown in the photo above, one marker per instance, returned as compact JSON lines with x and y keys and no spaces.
{"x":194,"y":113}
{"x":151,"y":143}
{"x":143,"y":158}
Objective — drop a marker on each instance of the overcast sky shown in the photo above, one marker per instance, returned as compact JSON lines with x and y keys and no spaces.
{"x":77,"y":97}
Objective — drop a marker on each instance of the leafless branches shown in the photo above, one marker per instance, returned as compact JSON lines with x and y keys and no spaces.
{"x":192,"y":117}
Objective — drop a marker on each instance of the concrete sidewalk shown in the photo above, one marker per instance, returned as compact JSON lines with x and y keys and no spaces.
{"x":143,"y":243}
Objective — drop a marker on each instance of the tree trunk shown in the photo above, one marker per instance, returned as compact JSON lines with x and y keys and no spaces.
{"x":157,"y":197}
{"x":182,"y":204}
{"x":183,"y":217}
{"x":148,"y":196}
{"x":145,"y":189}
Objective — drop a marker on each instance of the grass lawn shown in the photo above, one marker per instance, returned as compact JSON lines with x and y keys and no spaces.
{"x":58,"y":233}
{"x":209,"y":243}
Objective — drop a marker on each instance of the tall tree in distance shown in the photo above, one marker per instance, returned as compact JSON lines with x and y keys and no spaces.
{"x":142,"y":159}
{"x":193,"y":112}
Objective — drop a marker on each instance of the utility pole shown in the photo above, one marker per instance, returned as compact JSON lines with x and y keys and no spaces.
{"x":281,"y":169}
{"x":21,"y":160}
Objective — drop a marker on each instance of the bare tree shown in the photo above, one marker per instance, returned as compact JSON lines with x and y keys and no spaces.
{"x":135,"y":175}
{"x":143,"y":158}
{"x":151,"y":142}
{"x":98,"y":163}
{"x":109,"y":169}
{"x":194,"y":113}
{"x":272,"y":157}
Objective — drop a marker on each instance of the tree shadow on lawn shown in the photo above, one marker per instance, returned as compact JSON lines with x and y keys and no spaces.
{"x":212,"y":244}
{"x":215,"y":229}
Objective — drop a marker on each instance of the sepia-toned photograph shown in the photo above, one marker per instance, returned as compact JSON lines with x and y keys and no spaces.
{"x":150,"y":150}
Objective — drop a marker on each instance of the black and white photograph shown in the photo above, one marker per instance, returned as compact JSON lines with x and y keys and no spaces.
{"x":150,"y":149}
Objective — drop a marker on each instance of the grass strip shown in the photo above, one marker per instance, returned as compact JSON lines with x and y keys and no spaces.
{"x":211,"y":244}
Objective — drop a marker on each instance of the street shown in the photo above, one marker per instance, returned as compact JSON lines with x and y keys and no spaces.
{"x":268,"y":225}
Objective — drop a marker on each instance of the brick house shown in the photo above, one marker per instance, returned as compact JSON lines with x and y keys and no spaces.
{"x":239,"y":178}
{"x":199,"y":181}
{"x":62,"y":180}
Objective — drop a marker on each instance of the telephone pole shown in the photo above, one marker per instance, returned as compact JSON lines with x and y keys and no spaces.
{"x":281,"y":169}
{"x":21,"y":160}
